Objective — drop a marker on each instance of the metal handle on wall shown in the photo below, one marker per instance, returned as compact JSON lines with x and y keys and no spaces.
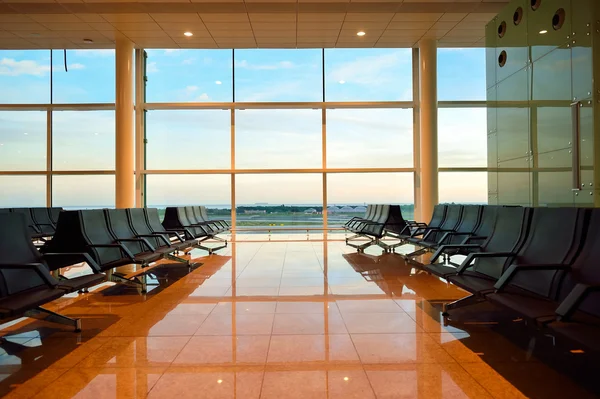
{"x":575,"y":139}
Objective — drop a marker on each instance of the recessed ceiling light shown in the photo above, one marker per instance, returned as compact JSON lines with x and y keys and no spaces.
{"x":88,"y":41}
{"x":188,"y":34}
{"x":342,"y":82}
{"x":543,"y":32}
{"x":219,"y":381}
{"x":218,"y":82}
{"x":361,"y":33}
{"x":346,"y":378}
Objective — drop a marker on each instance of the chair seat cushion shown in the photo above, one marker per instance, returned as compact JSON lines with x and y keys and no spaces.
{"x":77,"y":283}
{"x":583,"y":334}
{"x":472,"y":282}
{"x":17,"y":304}
{"x":441,"y":270}
{"x":527,"y":305}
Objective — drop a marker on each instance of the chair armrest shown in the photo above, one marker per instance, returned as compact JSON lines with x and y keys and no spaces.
{"x":570,"y":304}
{"x":446,"y":247}
{"x":450,"y":233}
{"x":177,"y":233}
{"x":123,"y":249}
{"x":83,"y":257}
{"x":156,"y":235}
{"x":472,"y":256}
{"x":513,"y":270}
{"x":142,"y":240}
{"x":40,"y":270}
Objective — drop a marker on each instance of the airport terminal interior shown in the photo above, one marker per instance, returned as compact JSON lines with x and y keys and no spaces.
{"x":281,"y":199}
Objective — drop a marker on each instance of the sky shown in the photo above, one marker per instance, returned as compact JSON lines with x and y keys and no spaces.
{"x":265,"y":139}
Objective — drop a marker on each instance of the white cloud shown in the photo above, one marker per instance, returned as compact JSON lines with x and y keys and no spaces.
{"x":76,"y":66}
{"x":203,"y":97}
{"x":371,"y":70}
{"x":151,"y":67}
{"x":12,"y":67}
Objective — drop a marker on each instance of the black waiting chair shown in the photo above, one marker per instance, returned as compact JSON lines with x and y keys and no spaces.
{"x":54,"y":214}
{"x":34,"y":231}
{"x":182,"y":235}
{"x":433,"y":235}
{"x":385,"y":219}
{"x":177,"y":218}
{"x":43,"y":222}
{"x":480,"y":270}
{"x":26,"y":282}
{"x":204,"y":215}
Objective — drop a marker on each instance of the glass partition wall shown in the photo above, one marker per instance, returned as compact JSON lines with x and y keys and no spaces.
{"x":269,"y":139}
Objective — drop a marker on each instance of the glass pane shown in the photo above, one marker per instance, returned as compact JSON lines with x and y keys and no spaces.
{"x":25,"y":76}
{"x":463,"y":187}
{"x":368,"y":74}
{"x":83,"y":140}
{"x":370,"y":138}
{"x":343,"y":197}
{"x":22,"y":191}
{"x":462,"y":137}
{"x":76,"y":85}
{"x":461,"y":74}
{"x":188,"y":139}
{"x":189,"y":75}
{"x":85,"y":191}
{"x":282,"y":138}
{"x":23,"y":140}
{"x":281,"y":200}
{"x":278,"y":75}
{"x":212,"y":191}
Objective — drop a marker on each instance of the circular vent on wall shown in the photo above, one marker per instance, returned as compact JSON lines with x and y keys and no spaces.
{"x":535,"y":4}
{"x":502,"y":29}
{"x":502,"y":58}
{"x":518,"y":16}
{"x":558,"y":20}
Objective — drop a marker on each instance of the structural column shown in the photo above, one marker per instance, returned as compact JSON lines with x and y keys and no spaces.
{"x":125,"y":179}
{"x":429,"y":126}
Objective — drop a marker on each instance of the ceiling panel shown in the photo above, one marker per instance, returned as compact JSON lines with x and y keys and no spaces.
{"x":293,"y":23}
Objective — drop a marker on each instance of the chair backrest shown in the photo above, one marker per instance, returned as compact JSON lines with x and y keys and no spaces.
{"x":28,"y":220}
{"x":369,"y":211}
{"x":184,"y":220}
{"x":118,"y":224}
{"x":96,"y":231}
{"x":153,"y":220}
{"x":199,"y":214}
{"x":54,"y":214}
{"x":204,"y":213}
{"x":4,"y":210}
{"x":395,"y":222}
{"x":554,"y":238}
{"x":509,"y":233}
{"x":16,"y":247}
{"x":191,"y":215}
{"x":437,"y":218}
{"x":384,"y":215}
{"x":41,"y":217}
{"x":451,"y":220}
{"x":489,"y":214}
{"x":137,"y":220}
{"x":469,"y":221}
{"x":376,"y":212}
{"x":586,"y":268}
{"x":381,"y":218}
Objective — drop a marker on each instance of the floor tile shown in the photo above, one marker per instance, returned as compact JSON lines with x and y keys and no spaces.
{"x":399,"y":348}
{"x":294,"y":385}
{"x":349,"y":384}
{"x":209,"y":350}
{"x":363,"y":323}
{"x":245,"y":324}
{"x":208,"y":385}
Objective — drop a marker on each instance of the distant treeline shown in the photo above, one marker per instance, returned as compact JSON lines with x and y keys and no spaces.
{"x":282,"y":209}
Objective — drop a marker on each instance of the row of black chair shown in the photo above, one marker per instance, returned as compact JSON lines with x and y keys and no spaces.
{"x":379,"y":221}
{"x":118,"y":237}
{"x":538,"y":262}
{"x":450,"y":224}
{"x":26,"y":282}
{"x":40,"y":222}
{"x":195,"y":220}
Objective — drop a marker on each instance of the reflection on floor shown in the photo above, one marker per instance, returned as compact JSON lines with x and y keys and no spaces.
{"x":283,"y":320}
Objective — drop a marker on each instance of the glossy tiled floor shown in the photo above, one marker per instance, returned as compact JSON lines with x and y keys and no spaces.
{"x":278,"y":320}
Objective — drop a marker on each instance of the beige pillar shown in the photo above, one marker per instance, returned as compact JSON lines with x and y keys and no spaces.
{"x":124,"y":168}
{"x":429,"y":119}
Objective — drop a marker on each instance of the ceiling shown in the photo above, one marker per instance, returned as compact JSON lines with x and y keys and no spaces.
{"x":26,"y":24}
